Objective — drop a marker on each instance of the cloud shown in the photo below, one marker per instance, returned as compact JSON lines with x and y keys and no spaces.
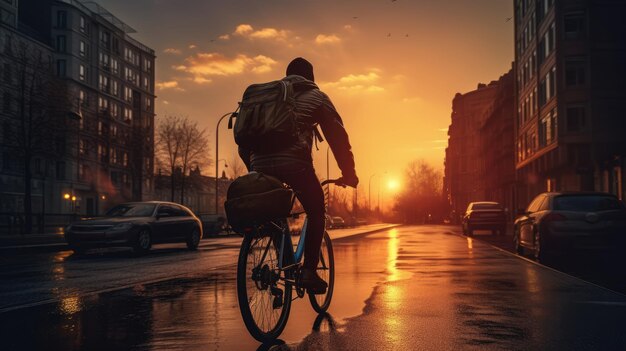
{"x":347,"y":27}
{"x":243,"y":29}
{"x":192,"y":46}
{"x":321,"y":39}
{"x":172,"y":51}
{"x":357,"y":83}
{"x":246,"y":30}
{"x":202,"y":66}
{"x":165,"y":102}
{"x":170,"y":84}
{"x":224,"y":37}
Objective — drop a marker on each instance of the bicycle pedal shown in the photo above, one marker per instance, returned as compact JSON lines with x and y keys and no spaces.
{"x":278,"y":302}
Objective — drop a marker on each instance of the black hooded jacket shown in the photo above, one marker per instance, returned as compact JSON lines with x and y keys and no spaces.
{"x":314,"y":107}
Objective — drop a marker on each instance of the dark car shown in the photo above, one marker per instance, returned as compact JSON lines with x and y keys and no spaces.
{"x":337,"y":222}
{"x":138,"y":225}
{"x":213,"y":224}
{"x":566,"y":222}
{"x":484,"y":215}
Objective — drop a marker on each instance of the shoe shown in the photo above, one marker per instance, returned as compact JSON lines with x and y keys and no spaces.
{"x":312,"y":282}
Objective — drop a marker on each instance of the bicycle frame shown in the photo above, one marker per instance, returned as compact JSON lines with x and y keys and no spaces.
{"x":298,"y":254}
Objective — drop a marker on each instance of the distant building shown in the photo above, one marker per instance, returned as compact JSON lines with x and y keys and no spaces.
{"x":463,"y":163}
{"x":108,"y":146}
{"x":570,"y":94}
{"x":199,"y":191}
{"x":497,"y":155}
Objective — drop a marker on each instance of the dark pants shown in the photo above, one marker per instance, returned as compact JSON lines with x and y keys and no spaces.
{"x":302,"y":179}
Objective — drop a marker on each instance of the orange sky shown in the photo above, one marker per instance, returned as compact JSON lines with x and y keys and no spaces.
{"x":391,"y":72}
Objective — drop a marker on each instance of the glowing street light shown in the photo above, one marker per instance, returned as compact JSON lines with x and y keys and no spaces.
{"x":66,"y":196}
{"x":393,"y":184}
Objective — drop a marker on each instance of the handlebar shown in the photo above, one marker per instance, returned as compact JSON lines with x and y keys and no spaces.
{"x":334,"y":181}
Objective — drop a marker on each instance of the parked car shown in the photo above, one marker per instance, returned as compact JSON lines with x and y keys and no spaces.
{"x":566,"y":222}
{"x":337,"y":222}
{"x":484,"y":215}
{"x":213,"y":224}
{"x":138,"y":225}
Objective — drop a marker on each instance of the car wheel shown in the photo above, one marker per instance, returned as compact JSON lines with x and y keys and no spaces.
{"x":143,"y":243}
{"x":193,"y":240}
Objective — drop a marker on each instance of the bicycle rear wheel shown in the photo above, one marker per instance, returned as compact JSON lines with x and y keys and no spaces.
{"x":264,"y":296}
{"x":326,"y":271}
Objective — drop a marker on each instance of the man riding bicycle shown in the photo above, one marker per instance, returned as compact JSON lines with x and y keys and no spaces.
{"x":293,"y":165}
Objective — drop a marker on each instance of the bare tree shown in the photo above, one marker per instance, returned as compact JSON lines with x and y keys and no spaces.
{"x":168,"y":146}
{"x":422,"y":195}
{"x":39,"y":114}
{"x":179,"y":146}
{"x":194,"y":150}
{"x":236,"y":166}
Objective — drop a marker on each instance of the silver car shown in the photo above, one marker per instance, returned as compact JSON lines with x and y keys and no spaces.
{"x":567,"y":222}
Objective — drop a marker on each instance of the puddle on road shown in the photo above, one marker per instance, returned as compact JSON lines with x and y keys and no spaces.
{"x":199,"y":312}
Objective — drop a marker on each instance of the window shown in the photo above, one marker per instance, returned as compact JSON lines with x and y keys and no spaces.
{"x":105,"y":60}
{"x":114,"y":131}
{"x":82,"y":72}
{"x":148,"y":104}
{"x":551,"y":77}
{"x":574,"y":26}
{"x":61,"y":68}
{"x":103,"y":104}
{"x":128,"y":94}
{"x":115,"y":111}
{"x":105,"y":39}
{"x":575,"y":68}
{"x":82,"y":49}
{"x":83,"y":24}
{"x":125,"y":159}
{"x":575,"y":118}
{"x":146,"y":83}
{"x":61,"y":19}
{"x":115,"y":66}
{"x":113,"y":154}
{"x":104,"y":83}
{"x":114,"y":87}
{"x":553,"y":125}
{"x":61,"y":43}
{"x":147,"y":65}
{"x":128,"y":115}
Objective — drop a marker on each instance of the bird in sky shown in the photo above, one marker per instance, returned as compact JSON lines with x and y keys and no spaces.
{"x":388,"y":35}
{"x":508,"y":19}
{"x":355,"y":17}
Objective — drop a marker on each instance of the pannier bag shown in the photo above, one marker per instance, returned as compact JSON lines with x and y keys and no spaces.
{"x":256,"y":198}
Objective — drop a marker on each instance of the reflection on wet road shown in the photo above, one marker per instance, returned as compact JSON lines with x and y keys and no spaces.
{"x":407,"y":288}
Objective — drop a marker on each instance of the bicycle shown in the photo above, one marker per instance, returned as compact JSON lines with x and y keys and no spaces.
{"x":268,"y":271}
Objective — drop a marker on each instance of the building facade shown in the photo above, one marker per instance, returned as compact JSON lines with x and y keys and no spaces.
{"x":497,"y":159}
{"x":570,"y":91}
{"x":107,"y":145}
{"x":463,"y":169}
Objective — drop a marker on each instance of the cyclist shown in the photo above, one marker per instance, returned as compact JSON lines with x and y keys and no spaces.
{"x":294,"y":165}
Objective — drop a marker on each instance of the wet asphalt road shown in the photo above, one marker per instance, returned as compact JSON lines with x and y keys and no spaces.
{"x":414,"y":288}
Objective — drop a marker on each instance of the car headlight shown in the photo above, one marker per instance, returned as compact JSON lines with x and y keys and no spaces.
{"x":122,"y":226}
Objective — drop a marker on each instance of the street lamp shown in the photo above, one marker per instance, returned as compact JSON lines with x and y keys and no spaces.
{"x":217,"y":148}
{"x":369,"y":192}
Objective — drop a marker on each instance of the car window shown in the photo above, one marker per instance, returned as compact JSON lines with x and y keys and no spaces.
{"x":534,"y":205}
{"x":167,"y":209}
{"x":183,"y":212}
{"x":586,"y":203}
{"x":131,"y":210}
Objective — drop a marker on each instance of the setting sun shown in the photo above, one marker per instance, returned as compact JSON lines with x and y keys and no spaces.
{"x":393,"y":184}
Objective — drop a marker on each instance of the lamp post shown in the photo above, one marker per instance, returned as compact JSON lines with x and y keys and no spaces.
{"x":217,"y":148}
{"x":369,"y":192}
{"x":78,"y":117}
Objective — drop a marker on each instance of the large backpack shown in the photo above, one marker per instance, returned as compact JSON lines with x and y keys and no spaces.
{"x":267,"y":119}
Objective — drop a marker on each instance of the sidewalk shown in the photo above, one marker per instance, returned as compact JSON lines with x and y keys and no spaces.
{"x":56,"y":242}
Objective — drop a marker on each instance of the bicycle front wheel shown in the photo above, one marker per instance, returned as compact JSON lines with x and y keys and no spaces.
{"x":264,"y":296}
{"x":326,"y":271}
